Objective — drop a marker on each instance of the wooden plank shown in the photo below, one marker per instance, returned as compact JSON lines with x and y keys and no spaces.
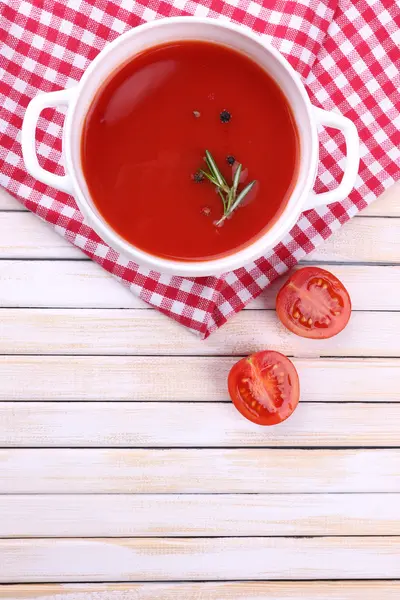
{"x":120,"y":515}
{"x":299,"y":590}
{"x":365,"y":239}
{"x":387,"y":205}
{"x":169,"y":559}
{"x":191,"y":425}
{"x":96,"y":332}
{"x":85,"y":471}
{"x":361,"y":240}
{"x":70,"y":284}
{"x":7,"y":202}
{"x":84,"y":284}
{"x":24,"y":235}
{"x":194,"y":379}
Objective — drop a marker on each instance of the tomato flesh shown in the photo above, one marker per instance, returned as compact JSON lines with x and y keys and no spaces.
{"x":313,"y":303}
{"x":264,"y":387}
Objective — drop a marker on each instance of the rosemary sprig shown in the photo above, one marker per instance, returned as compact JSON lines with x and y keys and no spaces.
{"x":228,"y":194}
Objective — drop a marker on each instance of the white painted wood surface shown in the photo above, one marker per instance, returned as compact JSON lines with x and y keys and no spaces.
{"x":168,"y":425}
{"x":203,"y":379}
{"x":186,"y":471}
{"x":299,"y":590}
{"x":123,"y":460}
{"x":132,"y":332}
{"x":169,"y":559}
{"x":198,"y":515}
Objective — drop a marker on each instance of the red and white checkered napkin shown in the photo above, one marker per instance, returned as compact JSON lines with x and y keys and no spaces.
{"x":346,"y":51}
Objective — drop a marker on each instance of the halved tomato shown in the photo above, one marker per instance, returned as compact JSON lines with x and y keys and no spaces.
{"x":264,"y":387}
{"x":313,"y":303}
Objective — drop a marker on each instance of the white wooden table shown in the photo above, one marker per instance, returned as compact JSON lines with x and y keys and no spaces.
{"x":126,"y":473}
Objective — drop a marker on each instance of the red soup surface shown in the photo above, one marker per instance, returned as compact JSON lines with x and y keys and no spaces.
{"x":145,"y":138}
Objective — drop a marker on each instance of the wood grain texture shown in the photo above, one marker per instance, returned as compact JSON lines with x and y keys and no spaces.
{"x":70,"y":284}
{"x":77,"y":471}
{"x":199,"y":515}
{"x":387,"y":205}
{"x":299,"y":590}
{"x":95,"y":332}
{"x":8,"y":202}
{"x":84,"y":284}
{"x":164,"y":425}
{"x":365,"y":239}
{"x":169,"y":559}
{"x":24,"y":235}
{"x":127,"y":493}
{"x":194,"y":379}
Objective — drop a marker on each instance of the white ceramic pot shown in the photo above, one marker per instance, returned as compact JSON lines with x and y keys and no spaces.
{"x":79,"y":98}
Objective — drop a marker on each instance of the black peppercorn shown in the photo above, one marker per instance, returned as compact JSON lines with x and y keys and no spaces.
{"x":225,"y":116}
{"x":198,"y":177}
{"x":230,"y":160}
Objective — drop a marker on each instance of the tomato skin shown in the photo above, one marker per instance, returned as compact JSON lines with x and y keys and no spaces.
{"x":264,"y":387}
{"x":314,"y":304}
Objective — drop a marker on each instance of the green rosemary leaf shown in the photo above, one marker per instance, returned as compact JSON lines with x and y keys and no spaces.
{"x":209,"y":177}
{"x":228,"y":194}
{"x":214,"y":170}
{"x":236,"y":180}
{"x":242,"y":196}
{"x":224,"y":202}
{"x":230,"y":200}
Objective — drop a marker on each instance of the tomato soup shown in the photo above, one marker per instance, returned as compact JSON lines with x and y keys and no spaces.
{"x":144,"y":142}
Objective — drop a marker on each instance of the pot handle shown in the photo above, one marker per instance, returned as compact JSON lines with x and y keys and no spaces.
{"x":28,"y":138}
{"x":349,"y":130}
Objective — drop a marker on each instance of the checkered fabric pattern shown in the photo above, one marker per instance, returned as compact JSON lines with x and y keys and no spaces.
{"x":346,"y":51}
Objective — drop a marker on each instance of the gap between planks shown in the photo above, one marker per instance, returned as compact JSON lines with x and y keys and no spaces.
{"x":199,"y":515}
{"x":299,"y":590}
{"x":185,"y":425}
